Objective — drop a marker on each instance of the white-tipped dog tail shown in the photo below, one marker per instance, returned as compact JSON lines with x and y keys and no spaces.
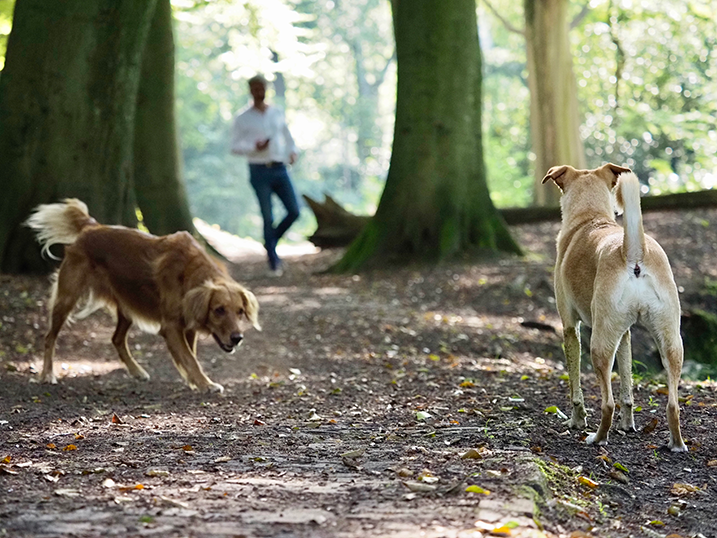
{"x":59,"y":223}
{"x":628,"y":197}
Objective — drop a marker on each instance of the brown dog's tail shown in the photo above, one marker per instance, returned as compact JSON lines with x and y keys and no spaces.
{"x":59,"y":223}
{"x":628,"y":198}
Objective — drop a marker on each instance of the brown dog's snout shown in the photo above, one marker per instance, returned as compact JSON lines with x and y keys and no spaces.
{"x":236,"y":338}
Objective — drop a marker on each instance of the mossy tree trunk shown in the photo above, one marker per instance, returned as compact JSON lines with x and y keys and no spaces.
{"x":67,"y":101}
{"x":554,"y":114}
{"x":161,"y":194}
{"x":436,"y":202}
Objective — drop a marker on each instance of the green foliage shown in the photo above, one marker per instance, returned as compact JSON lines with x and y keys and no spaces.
{"x":6,"y":9}
{"x":661,"y":121}
{"x":660,"y":117}
{"x":222,"y":44}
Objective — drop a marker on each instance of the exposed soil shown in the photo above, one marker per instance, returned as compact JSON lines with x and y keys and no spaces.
{"x":348,"y":415}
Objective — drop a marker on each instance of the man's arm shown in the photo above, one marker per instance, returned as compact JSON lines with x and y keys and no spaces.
{"x":290,"y":144}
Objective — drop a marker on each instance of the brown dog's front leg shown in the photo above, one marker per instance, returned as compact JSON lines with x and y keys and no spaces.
{"x":186,"y":362}
{"x":119,"y":340}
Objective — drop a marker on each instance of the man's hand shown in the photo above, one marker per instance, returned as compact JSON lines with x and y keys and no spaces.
{"x":292,"y":157}
{"x":261,"y":145}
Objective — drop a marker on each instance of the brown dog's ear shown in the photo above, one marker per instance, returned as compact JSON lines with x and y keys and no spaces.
{"x":558,"y":175}
{"x":195,"y":306}
{"x":251,"y":307}
{"x":610,"y":172}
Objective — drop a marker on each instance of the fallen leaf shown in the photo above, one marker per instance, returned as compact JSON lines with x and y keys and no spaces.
{"x":423,"y":415}
{"x":477,"y":489}
{"x":681,"y":489}
{"x":69,"y":492}
{"x":712,"y":463}
{"x":258,"y":422}
{"x":6,"y":459}
{"x":620,"y":467}
{"x":650,"y":426}
{"x":79,"y":436}
{"x":188,"y":448}
{"x":116,"y":419}
{"x":174,"y":502}
{"x":619,"y":476}
{"x":157,"y":472}
{"x":473,"y":454}
{"x":131,"y":488}
{"x":419,"y":487}
{"x":51,"y":446}
{"x":587,"y":482}
{"x":555,"y":410}
{"x":69,"y":448}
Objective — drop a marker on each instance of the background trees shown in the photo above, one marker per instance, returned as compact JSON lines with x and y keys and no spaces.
{"x":646,"y":87}
{"x":436,"y":202}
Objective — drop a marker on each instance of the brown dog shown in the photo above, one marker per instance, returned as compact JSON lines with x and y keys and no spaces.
{"x":610,"y":276}
{"x":164,"y":283}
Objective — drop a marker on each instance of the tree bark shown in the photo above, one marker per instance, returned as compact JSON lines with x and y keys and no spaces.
{"x":436,"y":202}
{"x":554,"y":114}
{"x":67,"y":103}
{"x":159,"y":185}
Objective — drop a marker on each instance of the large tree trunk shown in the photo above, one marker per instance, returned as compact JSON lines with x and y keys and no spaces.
{"x":436,"y":202}
{"x":159,"y":185}
{"x":554,"y":115}
{"x":67,"y":102}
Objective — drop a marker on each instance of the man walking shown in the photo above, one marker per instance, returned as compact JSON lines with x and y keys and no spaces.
{"x":261,"y":134}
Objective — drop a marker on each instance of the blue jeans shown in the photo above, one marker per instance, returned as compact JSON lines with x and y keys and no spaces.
{"x":268,"y":179}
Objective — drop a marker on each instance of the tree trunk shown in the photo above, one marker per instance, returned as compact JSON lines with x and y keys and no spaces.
{"x":161,"y":194}
{"x":67,"y":102}
{"x":436,"y":202}
{"x":554,"y":114}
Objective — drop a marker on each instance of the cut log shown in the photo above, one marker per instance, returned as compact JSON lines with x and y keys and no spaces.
{"x":337,"y":227}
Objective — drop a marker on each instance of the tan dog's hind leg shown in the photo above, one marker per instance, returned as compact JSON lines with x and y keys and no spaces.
{"x":672,"y":355}
{"x":119,"y":340}
{"x":602,"y":353}
{"x":571,"y":341}
{"x":186,"y":362}
{"x":624,"y":368}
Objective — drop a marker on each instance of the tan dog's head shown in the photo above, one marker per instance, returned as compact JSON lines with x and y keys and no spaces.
{"x":224,"y":309}
{"x":565,"y":175}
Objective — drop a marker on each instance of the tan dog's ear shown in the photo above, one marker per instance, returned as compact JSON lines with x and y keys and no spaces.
{"x":251,"y":307}
{"x":610,"y":172}
{"x":558,"y":175}
{"x":195,"y":306}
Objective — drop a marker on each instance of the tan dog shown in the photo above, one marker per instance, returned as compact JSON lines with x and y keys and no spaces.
{"x":610,"y":276}
{"x":164,"y":283}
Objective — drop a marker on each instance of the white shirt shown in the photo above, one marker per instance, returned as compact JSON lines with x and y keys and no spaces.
{"x":252,"y":126}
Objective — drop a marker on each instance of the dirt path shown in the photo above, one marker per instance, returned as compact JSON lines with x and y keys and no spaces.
{"x":405,"y":403}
